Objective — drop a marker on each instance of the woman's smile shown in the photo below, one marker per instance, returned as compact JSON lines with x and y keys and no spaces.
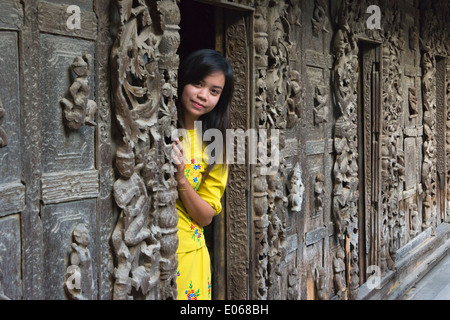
{"x":198,"y":105}
{"x":201,"y":97}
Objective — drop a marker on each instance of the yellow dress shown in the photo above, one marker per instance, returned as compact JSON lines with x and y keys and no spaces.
{"x":194,"y":267}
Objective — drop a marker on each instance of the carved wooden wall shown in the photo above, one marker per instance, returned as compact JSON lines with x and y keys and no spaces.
{"x":360,"y":118}
{"x":51,"y":168}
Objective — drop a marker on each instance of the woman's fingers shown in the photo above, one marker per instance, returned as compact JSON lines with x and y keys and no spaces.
{"x":176,"y":160}
{"x":180,"y":146}
{"x":178,"y":154}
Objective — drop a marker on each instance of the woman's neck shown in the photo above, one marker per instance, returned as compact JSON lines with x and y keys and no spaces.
{"x":189,"y":123}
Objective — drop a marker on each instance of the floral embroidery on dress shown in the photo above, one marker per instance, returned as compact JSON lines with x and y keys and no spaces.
{"x":191,"y":171}
{"x":197,"y":231}
{"x":191,"y":293}
{"x":209,"y":288}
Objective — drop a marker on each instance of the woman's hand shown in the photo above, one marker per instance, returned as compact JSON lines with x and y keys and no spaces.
{"x":179,"y":158}
{"x":199,"y":210}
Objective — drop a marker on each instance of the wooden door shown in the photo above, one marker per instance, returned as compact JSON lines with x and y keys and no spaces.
{"x":51,"y":63}
{"x":369,"y":156}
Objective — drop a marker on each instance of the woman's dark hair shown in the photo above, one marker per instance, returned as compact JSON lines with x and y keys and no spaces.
{"x":196,"y":67}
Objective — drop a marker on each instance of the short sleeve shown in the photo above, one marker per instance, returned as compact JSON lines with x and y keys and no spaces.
{"x":213,"y":187}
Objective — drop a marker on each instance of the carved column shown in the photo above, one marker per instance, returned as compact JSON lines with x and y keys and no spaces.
{"x":144,"y":64}
{"x":167,"y":192}
{"x":345,"y":193}
{"x":447,"y":144}
{"x":428,"y":64}
{"x":260,"y":199}
{"x":236,"y":204}
{"x":391,"y":148}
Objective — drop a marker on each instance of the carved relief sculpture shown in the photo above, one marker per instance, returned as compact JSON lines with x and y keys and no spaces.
{"x":415,"y":221}
{"x":166,"y":189}
{"x":318,"y":195}
{"x":278,"y":71}
{"x":261,"y":224}
{"x":79,"y":110}
{"x":320,"y":18}
{"x":3,"y":136}
{"x":144,"y":63}
{"x":294,"y":98}
{"x":429,"y":144}
{"x":236,"y":36}
{"x":320,"y":278}
{"x":321,"y":105}
{"x":413,"y":38}
{"x":392,"y":108}
{"x":340,"y":286}
{"x":346,"y":140}
{"x":296,"y":189}
{"x":260,"y":191}
{"x":434,"y":41}
{"x":413,"y":103}
{"x":277,"y":215}
{"x":80,"y":266}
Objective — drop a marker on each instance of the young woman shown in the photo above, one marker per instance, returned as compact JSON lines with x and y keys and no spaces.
{"x":205,"y":89}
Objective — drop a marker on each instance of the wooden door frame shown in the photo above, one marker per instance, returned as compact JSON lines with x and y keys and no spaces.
{"x":230,"y":249}
{"x":370,"y":110}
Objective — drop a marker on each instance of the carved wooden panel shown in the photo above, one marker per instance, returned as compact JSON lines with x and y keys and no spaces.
{"x":10,"y":114}
{"x":59,"y":221}
{"x":61,"y":171}
{"x":62,"y":149}
{"x":10,"y":257}
{"x":295,"y":233}
{"x":68,"y":176}
{"x":236,"y":39}
{"x":12,"y":190}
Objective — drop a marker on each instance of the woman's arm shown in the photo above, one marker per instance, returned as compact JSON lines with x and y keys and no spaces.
{"x":199,"y":210}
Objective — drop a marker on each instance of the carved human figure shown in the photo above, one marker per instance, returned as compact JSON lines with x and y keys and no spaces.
{"x":80,"y":110}
{"x":3,"y":136}
{"x":339,"y":273}
{"x":321,"y":109}
{"x":319,"y":19}
{"x":131,"y":229}
{"x":415,"y":220}
{"x":81,"y":266}
{"x":296,"y":189}
{"x":318,"y":194}
{"x":321,"y":283}
{"x":295,"y":91}
{"x":413,"y":38}
{"x":413,"y":102}
{"x":131,"y":196}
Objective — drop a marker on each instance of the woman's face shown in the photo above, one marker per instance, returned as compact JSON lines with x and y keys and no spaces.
{"x":200,"y":98}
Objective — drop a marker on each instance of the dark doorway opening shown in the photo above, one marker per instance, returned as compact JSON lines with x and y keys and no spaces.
{"x":197,"y":27}
{"x":201,"y":27}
